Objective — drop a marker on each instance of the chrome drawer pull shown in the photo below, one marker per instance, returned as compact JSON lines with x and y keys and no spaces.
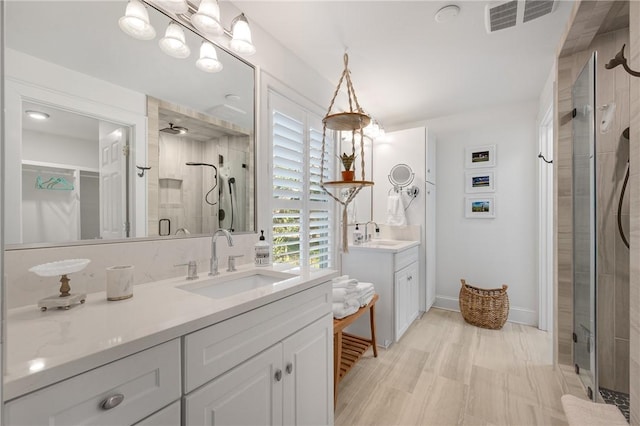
{"x":289,"y":368}
{"x":278,"y":375}
{"x":112,"y":401}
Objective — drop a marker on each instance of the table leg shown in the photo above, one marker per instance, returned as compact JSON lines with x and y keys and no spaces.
{"x":372,"y":320}
{"x":337,"y":357}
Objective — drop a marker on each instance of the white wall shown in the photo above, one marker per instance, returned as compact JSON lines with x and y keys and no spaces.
{"x":489,"y":252}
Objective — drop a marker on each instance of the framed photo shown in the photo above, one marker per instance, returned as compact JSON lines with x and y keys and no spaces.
{"x":480,"y":181}
{"x":480,"y":156}
{"x":480,"y":207}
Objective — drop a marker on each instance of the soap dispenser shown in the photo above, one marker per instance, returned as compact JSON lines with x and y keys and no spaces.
{"x":263,"y":251}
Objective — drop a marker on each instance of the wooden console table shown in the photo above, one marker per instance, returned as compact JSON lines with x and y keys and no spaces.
{"x":347,"y":348}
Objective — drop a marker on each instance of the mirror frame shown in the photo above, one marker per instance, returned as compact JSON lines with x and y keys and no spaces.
{"x":253,"y":144}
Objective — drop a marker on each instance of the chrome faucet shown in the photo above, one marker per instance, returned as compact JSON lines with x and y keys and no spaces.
{"x":213,"y":264}
{"x":367,"y":236}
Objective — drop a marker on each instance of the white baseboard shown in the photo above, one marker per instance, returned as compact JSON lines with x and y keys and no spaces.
{"x":517,"y":315}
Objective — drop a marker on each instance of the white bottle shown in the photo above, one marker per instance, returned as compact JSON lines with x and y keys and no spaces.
{"x":263,"y":251}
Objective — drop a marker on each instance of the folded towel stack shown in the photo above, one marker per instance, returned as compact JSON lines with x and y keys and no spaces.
{"x":349,"y":295}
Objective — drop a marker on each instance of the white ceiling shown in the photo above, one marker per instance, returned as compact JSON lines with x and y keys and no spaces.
{"x":405,"y":66}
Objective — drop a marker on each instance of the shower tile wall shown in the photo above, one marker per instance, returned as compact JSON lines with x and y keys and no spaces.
{"x":612,"y":257}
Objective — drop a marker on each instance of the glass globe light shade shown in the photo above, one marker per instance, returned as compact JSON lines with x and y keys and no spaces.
{"x":173,"y":43}
{"x":135,"y":21}
{"x":208,"y":61}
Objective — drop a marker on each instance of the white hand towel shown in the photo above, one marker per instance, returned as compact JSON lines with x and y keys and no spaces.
{"x":344,"y":294}
{"x":395,"y":211}
{"x":352,"y":283}
{"x":364,"y":302}
{"x":341,"y":310}
{"x":340,"y":278}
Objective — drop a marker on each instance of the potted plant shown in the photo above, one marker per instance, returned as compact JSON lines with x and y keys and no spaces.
{"x":347,"y":162}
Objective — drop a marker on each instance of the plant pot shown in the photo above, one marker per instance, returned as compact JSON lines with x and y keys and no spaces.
{"x":347,"y":175}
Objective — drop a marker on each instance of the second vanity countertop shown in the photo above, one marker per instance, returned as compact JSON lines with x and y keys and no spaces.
{"x":43,"y":348}
{"x":384,"y":245}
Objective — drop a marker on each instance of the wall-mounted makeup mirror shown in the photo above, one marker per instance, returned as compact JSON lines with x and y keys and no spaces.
{"x":111,"y":103}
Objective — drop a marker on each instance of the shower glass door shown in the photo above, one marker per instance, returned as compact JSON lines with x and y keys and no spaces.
{"x":584,"y":219}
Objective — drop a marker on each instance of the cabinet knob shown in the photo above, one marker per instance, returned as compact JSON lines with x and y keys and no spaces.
{"x":409,"y":278}
{"x":289,"y":368}
{"x":278,"y":375}
{"x":112,"y":401}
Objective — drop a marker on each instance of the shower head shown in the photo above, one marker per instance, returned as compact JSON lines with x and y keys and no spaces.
{"x":175,"y":130}
{"x":618,"y":60}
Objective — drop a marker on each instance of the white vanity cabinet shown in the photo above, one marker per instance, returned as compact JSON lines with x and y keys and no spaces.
{"x":269,"y":366}
{"x":144,"y":383}
{"x":395,"y":275}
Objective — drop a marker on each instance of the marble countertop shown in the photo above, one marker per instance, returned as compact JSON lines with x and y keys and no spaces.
{"x":391,"y":246}
{"x":42,"y":348}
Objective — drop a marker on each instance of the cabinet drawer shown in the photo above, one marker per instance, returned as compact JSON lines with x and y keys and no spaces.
{"x":148,"y":380}
{"x":405,"y":258}
{"x":213,"y":350}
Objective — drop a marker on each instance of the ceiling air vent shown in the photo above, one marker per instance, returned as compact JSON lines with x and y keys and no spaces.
{"x":500,"y":15}
{"x":536,"y":8}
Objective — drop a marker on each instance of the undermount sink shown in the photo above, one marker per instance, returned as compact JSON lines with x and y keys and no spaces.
{"x":384,"y":242}
{"x":222,"y":287}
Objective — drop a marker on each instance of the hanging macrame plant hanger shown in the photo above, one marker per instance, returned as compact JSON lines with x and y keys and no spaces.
{"x":352,"y":121}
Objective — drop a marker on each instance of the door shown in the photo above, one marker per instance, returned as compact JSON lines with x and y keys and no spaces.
{"x":308,"y":375}
{"x":113,"y":183}
{"x":250,"y":394}
{"x":584,"y":220}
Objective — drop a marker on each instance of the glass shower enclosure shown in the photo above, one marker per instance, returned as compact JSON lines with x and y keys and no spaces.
{"x":584,"y":227}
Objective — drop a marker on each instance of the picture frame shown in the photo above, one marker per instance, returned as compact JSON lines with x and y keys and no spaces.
{"x":480,"y":181}
{"x":480,"y":156}
{"x":480,"y":207}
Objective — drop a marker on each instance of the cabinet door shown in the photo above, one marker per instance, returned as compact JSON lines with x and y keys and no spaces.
{"x":401,"y":296}
{"x":308,"y":378}
{"x":407,"y":298}
{"x":249,"y":394}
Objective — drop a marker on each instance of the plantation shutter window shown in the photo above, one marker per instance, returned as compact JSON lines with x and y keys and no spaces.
{"x":303,"y":216}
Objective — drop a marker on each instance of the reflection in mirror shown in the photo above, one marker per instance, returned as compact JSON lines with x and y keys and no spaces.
{"x":74,"y":179}
{"x":72,"y":59}
{"x":203,"y":173}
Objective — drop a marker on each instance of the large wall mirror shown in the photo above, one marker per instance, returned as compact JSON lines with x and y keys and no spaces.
{"x":107,"y":137}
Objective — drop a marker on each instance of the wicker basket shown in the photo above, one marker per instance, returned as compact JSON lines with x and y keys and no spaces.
{"x":484,"y":308}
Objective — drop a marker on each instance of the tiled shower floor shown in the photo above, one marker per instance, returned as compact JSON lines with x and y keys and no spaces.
{"x":621,"y":400}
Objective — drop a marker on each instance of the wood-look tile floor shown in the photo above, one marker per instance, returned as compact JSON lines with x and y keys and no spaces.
{"x":447,"y":372}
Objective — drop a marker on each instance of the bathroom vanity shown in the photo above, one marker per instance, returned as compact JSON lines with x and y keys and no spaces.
{"x":392,"y":267}
{"x":250,"y":347}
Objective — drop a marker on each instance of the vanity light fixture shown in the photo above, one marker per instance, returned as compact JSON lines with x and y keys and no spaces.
{"x":241,"y":36}
{"x":37,"y":115}
{"x":207,"y":18}
{"x":173,"y":43}
{"x":208,"y":61}
{"x":135,"y":21}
